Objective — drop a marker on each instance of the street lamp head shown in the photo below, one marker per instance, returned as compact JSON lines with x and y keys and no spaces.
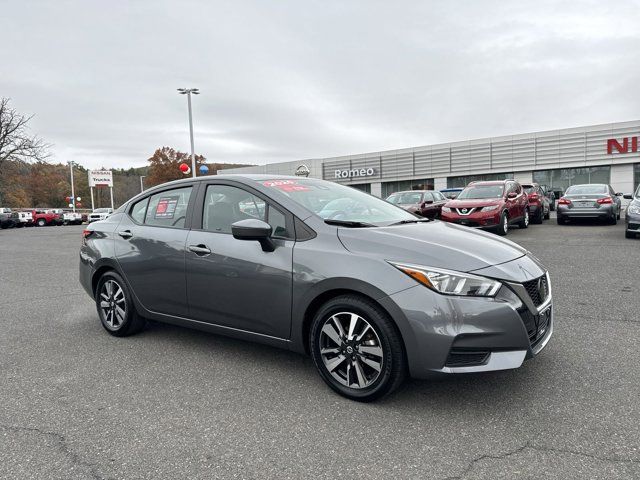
{"x":184,"y":91}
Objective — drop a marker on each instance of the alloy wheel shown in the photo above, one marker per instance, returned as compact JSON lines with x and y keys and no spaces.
{"x":351,"y":350}
{"x":113,"y":304}
{"x":526,"y":217}
{"x":505,"y":224}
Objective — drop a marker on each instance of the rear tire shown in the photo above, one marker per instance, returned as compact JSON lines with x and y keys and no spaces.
{"x":561,"y":220}
{"x":115,"y":306}
{"x":357,"y":349}
{"x":614,"y":219}
{"x":547,"y":215}
{"x":629,"y":235}
{"x":41,"y":222}
{"x":538,"y":218}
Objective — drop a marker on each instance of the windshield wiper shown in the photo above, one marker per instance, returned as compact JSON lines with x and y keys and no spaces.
{"x":413,"y":220}
{"x":348,"y":223}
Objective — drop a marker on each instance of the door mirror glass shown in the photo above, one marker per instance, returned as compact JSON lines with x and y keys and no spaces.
{"x":256,"y":230}
{"x":628,"y":196}
{"x":512,"y":195}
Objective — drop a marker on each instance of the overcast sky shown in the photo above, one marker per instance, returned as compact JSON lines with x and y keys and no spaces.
{"x":284,"y":80}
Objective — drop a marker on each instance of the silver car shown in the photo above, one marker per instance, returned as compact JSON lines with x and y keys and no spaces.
{"x":372,"y":292}
{"x":594,"y":200}
{"x":632,"y":215}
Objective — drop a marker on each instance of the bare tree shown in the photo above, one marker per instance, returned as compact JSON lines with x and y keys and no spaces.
{"x":16,"y":142}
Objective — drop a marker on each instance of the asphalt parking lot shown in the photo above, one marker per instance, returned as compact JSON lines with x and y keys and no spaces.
{"x":76,"y":403}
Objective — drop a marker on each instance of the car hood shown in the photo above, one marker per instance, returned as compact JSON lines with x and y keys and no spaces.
{"x":435,"y":244}
{"x":480,"y":202}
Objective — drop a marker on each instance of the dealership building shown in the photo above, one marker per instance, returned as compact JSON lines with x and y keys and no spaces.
{"x":606,"y":153}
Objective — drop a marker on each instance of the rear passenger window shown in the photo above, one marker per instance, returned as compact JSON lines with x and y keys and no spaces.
{"x":139,"y":210}
{"x":168,"y":208}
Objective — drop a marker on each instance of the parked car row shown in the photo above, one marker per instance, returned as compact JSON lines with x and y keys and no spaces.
{"x":496,"y":205}
{"x":41,"y":217}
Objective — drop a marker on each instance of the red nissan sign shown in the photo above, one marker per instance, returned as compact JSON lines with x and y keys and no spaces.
{"x":623,"y":147}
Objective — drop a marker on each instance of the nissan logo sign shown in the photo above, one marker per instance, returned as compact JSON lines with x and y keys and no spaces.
{"x":355,"y":172}
{"x":302,"y":171}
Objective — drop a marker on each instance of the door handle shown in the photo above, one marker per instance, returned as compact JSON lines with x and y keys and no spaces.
{"x":199,"y":249}
{"x":125,"y":234}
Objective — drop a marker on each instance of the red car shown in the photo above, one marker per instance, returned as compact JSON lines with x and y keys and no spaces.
{"x":46,"y":217}
{"x":426,"y":203}
{"x":539,"y":205}
{"x":490,"y":205}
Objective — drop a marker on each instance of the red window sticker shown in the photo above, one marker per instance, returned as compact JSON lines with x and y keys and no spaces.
{"x":286,"y":185}
{"x":166,"y":207}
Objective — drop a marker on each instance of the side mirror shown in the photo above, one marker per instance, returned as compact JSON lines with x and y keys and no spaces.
{"x":256,"y":230}
{"x":428,"y":202}
{"x":619,"y":194}
{"x":512,"y":195}
{"x":628,"y":196}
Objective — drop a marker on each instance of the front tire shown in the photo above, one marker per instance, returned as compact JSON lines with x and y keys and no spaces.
{"x":503,"y":227}
{"x":357,"y":349}
{"x":115,"y":306}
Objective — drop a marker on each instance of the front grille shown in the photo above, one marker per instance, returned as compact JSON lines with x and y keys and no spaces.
{"x":463,"y":358}
{"x":536,"y":325}
{"x":538,"y":290}
{"x":465,"y":211}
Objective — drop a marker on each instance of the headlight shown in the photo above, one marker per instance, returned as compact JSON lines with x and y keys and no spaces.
{"x":449,"y":282}
{"x":490,"y":208}
{"x":633,"y":209}
{"x":446,"y":209}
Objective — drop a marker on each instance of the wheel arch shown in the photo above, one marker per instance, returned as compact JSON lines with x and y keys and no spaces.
{"x":325,"y":291}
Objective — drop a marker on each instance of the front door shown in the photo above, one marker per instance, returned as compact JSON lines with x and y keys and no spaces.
{"x":235,"y":283}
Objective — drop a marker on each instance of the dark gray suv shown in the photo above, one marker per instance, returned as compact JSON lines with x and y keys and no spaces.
{"x":372,"y":292}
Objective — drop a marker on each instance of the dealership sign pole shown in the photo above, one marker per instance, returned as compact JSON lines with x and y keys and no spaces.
{"x":100,"y":178}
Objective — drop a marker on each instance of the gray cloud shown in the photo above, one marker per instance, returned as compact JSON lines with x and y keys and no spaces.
{"x":291,"y":79}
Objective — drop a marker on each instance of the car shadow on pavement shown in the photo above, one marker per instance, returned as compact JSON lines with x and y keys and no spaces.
{"x":490,"y":390}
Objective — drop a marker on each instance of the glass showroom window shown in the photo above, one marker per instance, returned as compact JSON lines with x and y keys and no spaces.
{"x":461,"y":182}
{"x":560,"y":180}
{"x":420,"y":184}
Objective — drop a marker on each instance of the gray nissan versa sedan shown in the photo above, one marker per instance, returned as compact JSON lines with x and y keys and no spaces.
{"x":370,"y":291}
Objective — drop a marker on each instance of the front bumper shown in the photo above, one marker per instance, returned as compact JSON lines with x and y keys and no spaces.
{"x":632,"y":222}
{"x":483,"y":220}
{"x":465,"y":334}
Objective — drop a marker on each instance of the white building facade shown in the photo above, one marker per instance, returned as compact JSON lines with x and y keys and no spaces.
{"x":608,"y":153}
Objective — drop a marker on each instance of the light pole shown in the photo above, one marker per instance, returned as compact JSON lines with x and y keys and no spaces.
{"x":73,"y":193}
{"x":188,"y":92}
{"x":142,"y":184}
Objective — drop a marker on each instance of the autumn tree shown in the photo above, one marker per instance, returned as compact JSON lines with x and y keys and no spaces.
{"x":164,"y":165}
{"x":16,"y":142}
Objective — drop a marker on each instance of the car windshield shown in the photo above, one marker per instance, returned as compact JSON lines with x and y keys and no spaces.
{"x":481,"y":191}
{"x":586,"y":189}
{"x":332,"y":201}
{"x":405,"y":198}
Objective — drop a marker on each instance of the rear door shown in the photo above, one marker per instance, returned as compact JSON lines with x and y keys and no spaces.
{"x":150,"y":248}
{"x":234,"y":283}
